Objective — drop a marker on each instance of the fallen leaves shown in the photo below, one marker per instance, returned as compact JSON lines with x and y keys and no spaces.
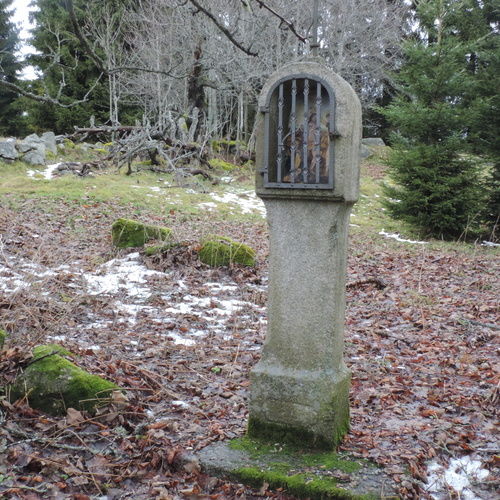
{"x":425,"y":375}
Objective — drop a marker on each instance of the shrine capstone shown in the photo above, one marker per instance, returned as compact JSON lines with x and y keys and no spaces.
{"x":308,"y":142}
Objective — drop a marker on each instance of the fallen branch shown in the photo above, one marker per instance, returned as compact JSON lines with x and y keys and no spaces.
{"x":378,"y":282}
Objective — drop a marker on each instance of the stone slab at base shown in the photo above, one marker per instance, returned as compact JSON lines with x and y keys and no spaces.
{"x":301,"y":407}
{"x":301,"y":474}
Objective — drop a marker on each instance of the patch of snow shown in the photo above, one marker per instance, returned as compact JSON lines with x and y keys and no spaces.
{"x":48,"y":173}
{"x":247,"y":201}
{"x":125,"y":274}
{"x":185,"y":308}
{"x":227,"y":180}
{"x":490,"y":244}
{"x":219,"y":287}
{"x":179,"y":340}
{"x":180,"y":404}
{"x":396,"y":237}
{"x":57,"y":338}
{"x":181,"y":285}
{"x":209,"y":205}
{"x":457,"y":477}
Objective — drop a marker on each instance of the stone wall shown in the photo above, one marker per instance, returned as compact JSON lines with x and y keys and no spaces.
{"x":32,"y":149}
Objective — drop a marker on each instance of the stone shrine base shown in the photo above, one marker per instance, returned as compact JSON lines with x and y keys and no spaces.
{"x":299,"y":407}
{"x":303,"y":474}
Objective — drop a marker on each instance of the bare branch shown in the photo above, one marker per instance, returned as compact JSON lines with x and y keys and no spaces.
{"x":284,"y":21}
{"x":81,"y":37}
{"x":46,"y":98}
{"x":221,"y":28}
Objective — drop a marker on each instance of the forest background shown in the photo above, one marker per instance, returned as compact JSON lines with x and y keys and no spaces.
{"x":426,"y":72}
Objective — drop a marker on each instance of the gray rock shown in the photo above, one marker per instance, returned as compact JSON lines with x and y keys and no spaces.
{"x":34,"y":149}
{"x":373,"y":141}
{"x":35,"y":156}
{"x":365,"y":152}
{"x":8,"y":149}
{"x":49,"y":138}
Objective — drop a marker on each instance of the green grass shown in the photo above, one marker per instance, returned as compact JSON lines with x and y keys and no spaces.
{"x":134,"y":191}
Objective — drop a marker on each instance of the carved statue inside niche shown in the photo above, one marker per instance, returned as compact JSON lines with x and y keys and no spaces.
{"x":317,"y":137}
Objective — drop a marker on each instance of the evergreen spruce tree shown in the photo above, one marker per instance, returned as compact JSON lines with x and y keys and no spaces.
{"x":478,"y":25}
{"x":68,"y":72}
{"x":438,"y":188}
{"x":9,"y":66}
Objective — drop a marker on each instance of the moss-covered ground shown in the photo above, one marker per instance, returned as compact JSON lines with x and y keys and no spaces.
{"x":299,"y":472}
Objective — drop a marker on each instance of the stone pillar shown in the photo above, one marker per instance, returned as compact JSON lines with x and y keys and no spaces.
{"x":300,"y":388}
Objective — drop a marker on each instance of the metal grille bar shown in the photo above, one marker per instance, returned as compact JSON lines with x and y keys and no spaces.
{"x":317,"y":144}
{"x":299,"y":128}
{"x":306,"y":130}
{"x":293,"y":126}
{"x":279,"y":157}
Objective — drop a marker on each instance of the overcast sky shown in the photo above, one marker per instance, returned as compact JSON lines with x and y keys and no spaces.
{"x":20,"y":17}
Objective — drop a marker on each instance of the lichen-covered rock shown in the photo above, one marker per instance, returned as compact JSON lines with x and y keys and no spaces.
{"x":52,"y":383}
{"x":221,"y":251}
{"x":130,"y":233}
{"x":3,"y":338}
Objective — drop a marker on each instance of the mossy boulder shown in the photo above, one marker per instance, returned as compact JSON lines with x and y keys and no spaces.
{"x":221,"y":251}
{"x":53,"y":384}
{"x":3,"y":338}
{"x":229,"y":146}
{"x":130,"y":233}
{"x":219,"y":164}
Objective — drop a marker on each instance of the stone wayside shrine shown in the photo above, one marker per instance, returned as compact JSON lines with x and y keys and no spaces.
{"x":308,"y":176}
{"x":307,"y":159}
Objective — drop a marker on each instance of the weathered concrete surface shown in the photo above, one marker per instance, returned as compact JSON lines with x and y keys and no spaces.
{"x":300,"y":387}
{"x":301,"y":381}
{"x":352,"y":481}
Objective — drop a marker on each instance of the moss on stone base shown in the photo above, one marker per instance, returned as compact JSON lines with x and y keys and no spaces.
{"x":3,"y":338}
{"x":298,"y":455}
{"x":52,"y":384}
{"x":299,"y":485}
{"x":276,"y":433}
{"x":129,"y":233}
{"x":221,"y":251}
